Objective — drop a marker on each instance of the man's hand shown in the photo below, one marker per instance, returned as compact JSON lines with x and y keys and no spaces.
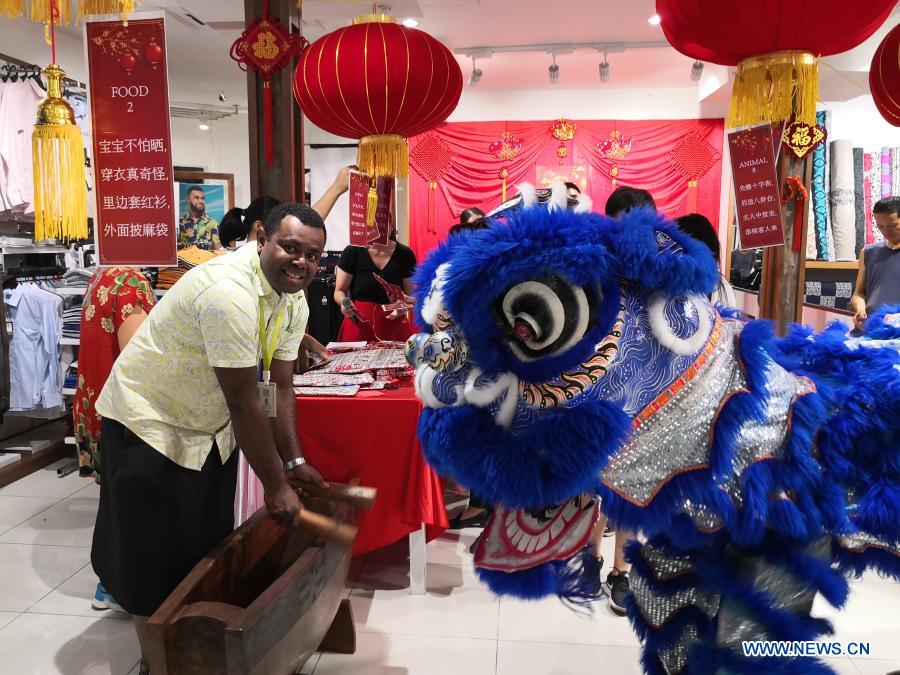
{"x":307,"y":473}
{"x":283,"y":504}
{"x":859,"y":319}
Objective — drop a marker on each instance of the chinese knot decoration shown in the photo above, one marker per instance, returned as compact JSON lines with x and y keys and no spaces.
{"x":693,"y":156}
{"x":616,"y":146}
{"x":801,"y":138}
{"x":380,"y":82}
{"x":431,"y":158}
{"x":267,"y":46}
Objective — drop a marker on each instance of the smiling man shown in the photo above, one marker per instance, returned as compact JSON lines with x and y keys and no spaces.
{"x":212,"y":366}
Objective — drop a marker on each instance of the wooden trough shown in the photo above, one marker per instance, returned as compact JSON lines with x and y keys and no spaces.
{"x":261,"y":602}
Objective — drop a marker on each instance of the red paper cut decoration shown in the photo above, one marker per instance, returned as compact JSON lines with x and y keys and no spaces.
{"x":616,"y":146}
{"x":801,"y":138}
{"x":431,"y":158}
{"x":380,"y":82}
{"x":266,"y":46}
{"x":692,"y":156}
{"x":884,"y":77}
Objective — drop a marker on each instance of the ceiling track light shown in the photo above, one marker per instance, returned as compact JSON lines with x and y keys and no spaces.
{"x":604,"y":69}
{"x":475,"y":77}
{"x":654,"y":20}
{"x":203,"y":124}
{"x":697,"y":71}
{"x":553,"y":71}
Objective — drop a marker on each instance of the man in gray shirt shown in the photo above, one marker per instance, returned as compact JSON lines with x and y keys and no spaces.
{"x":878,"y":279}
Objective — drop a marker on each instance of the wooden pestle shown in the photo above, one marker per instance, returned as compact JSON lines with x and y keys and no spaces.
{"x":326,"y":527}
{"x":357,"y":495}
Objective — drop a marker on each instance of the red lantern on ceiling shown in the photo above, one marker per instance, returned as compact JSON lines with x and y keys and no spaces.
{"x":379,"y":82}
{"x":774,"y":43}
{"x":884,"y":77}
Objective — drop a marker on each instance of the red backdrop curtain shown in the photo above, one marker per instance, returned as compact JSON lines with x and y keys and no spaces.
{"x":471,"y":175}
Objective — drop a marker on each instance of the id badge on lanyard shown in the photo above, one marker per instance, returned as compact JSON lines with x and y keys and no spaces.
{"x":268,"y":344}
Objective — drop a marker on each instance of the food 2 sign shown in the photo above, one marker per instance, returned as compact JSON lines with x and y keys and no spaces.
{"x":133,"y":182}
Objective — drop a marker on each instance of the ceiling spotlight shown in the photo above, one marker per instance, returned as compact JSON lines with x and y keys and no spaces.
{"x":554,"y":71}
{"x":410,"y":22}
{"x":696,"y":71}
{"x":203,"y":124}
{"x":604,"y":69}
{"x":475,"y":76}
{"x":654,"y":20}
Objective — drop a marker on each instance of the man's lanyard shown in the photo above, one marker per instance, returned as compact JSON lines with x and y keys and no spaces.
{"x":269,"y":344}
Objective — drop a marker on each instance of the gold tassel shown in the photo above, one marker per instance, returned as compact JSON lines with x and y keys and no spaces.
{"x":371,"y":203}
{"x":40,"y":11}
{"x":60,"y":193}
{"x":774,"y":88}
{"x":122,"y":7}
{"x":383,"y":155}
{"x":12,"y":8}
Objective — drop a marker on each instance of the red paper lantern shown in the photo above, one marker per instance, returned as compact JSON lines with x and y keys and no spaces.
{"x":884,"y":77}
{"x":774,"y":43}
{"x":380,"y":82}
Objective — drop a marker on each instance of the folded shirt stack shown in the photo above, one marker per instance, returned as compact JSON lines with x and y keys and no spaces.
{"x":72,"y":322}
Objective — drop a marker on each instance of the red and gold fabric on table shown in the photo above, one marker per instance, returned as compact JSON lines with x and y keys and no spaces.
{"x":372,"y":436}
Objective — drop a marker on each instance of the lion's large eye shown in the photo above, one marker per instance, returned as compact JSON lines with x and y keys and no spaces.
{"x":547,"y":316}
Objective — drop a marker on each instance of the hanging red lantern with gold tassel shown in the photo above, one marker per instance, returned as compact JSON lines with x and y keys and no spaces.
{"x":884,"y":77}
{"x":60,"y":192}
{"x":380,"y":82}
{"x":775,"y":44}
{"x":39,"y":10}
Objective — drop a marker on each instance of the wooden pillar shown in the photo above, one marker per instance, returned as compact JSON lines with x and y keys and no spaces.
{"x":284,"y":179}
{"x":782,"y":290}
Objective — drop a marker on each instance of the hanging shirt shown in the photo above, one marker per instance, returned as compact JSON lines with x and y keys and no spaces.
{"x":18,"y":111}
{"x":163,"y":387}
{"x":113,"y":294}
{"x":36,"y":316}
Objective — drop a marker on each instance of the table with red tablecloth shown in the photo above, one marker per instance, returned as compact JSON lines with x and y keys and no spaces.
{"x":372,"y":436}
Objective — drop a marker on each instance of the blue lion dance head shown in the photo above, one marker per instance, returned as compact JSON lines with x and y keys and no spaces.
{"x":573,"y":362}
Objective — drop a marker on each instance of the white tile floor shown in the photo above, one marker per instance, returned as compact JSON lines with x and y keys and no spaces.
{"x":47,"y":625}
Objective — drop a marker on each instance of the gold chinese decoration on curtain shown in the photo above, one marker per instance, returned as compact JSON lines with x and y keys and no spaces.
{"x":431,"y":158}
{"x":505,"y":148}
{"x":615,"y":148}
{"x":39,"y":10}
{"x":563,"y":130}
{"x":693,"y":157}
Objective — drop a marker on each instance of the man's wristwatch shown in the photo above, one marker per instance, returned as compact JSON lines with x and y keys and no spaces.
{"x":294,"y":463}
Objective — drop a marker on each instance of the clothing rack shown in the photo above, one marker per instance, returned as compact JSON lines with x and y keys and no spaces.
{"x":15,"y":69}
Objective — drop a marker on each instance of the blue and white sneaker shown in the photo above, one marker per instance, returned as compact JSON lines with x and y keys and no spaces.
{"x":103,"y":600}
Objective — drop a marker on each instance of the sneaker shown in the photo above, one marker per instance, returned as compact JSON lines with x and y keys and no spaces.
{"x":617,"y":588}
{"x":592,"y":566}
{"x":103,"y":600}
{"x":608,"y":532}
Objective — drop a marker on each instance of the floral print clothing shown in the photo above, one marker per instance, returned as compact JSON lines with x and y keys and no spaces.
{"x":113,"y":294}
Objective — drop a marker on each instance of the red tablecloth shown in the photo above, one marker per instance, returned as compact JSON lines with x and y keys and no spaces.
{"x":373,"y":437}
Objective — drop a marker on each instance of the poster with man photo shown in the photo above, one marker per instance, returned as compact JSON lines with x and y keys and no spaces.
{"x":200,"y":210}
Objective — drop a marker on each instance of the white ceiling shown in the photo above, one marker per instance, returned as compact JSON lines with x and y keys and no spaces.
{"x":200,"y":67}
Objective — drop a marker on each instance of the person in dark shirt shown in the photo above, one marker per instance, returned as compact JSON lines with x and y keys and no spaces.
{"x":878,"y":278}
{"x":360,"y":294}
